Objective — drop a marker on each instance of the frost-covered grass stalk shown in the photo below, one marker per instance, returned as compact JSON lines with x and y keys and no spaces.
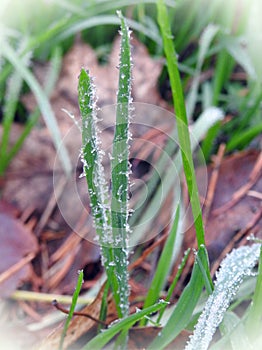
{"x":237,"y":265}
{"x":110,"y":223}
{"x":120,"y":168}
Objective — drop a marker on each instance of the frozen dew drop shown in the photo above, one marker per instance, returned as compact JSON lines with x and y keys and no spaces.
{"x":81,"y":175}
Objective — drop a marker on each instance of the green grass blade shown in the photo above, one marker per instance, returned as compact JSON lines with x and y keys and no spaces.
{"x":42,"y":101}
{"x":31,"y":122}
{"x":238,"y":264}
{"x":181,"y":118}
{"x":184,"y":307}
{"x":13,"y":90}
{"x":204,"y":42}
{"x":174,"y":283}
{"x":103,"y":338}
{"x":72,"y":308}
{"x":240,"y":140}
{"x":94,"y":173}
{"x":92,"y":158}
{"x":163,"y":266}
{"x":120,"y":169}
{"x":224,"y":67}
{"x":206,"y":276}
{"x":10,"y":105}
{"x":250,"y":111}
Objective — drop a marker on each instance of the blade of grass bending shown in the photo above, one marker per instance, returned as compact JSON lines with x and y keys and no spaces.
{"x":182,"y":128}
{"x":163,"y":266}
{"x":174,"y":283}
{"x":94,"y":173}
{"x":185,"y":305}
{"x":181,"y":118}
{"x":238,"y":264}
{"x":35,"y":42}
{"x":42,"y":101}
{"x":123,"y":325}
{"x":105,"y":20}
{"x":72,"y":308}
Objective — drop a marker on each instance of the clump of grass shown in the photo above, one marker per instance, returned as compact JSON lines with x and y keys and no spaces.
{"x":110,"y":222}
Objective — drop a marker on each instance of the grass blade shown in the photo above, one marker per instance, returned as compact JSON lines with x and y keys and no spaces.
{"x":72,"y":308}
{"x":120,"y":169}
{"x":224,"y":67}
{"x":94,"y":173}
{"x":174,"y":283}
{"x":10,"y":104}
{"x":181,"y":118}
{"x":163,"y":266}
{"x":185,"y":305}
{"x":205,"y":40}
{"x":240,"y":140}
{"x":103,"y":338}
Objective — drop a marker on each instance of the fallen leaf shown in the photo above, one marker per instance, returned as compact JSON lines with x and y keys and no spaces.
{"x":17,"y":241}
{"x":29,"y":179}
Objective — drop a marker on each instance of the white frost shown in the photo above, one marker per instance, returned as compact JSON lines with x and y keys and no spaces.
{"x":238,"y":264}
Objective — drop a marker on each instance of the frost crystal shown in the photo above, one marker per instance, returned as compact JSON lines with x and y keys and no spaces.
{"x":238,"y":264}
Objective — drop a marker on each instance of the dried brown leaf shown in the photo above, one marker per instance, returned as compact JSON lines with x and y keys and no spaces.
{"x":17,"y":241}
